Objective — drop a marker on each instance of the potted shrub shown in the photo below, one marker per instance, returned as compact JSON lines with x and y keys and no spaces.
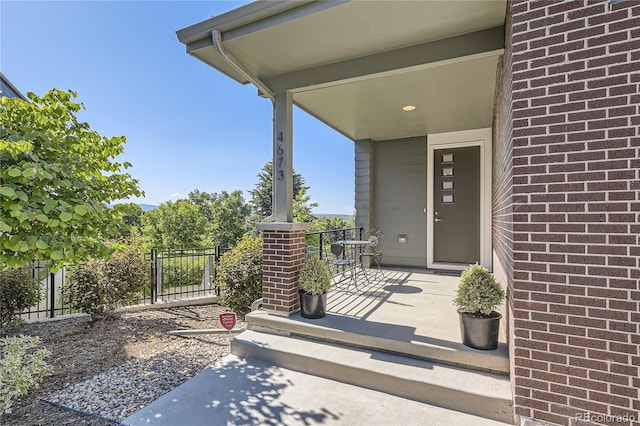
{"x":314,"y":282}
{"x":477,"y":297}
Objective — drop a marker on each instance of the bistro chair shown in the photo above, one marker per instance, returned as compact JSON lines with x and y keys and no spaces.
{"x":340,"y":261}
{"x":338,"y":252}
{"x":374,"y":250}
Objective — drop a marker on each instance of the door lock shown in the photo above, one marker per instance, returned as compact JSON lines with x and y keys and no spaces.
{"x":437,"y":219}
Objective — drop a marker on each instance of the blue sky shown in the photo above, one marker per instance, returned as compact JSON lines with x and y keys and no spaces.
{"x":187,"y":126}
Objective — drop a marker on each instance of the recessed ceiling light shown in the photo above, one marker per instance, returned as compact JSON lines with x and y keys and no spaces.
{"x":408,"y":108}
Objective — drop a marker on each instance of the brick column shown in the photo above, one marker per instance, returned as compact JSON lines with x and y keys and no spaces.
{"x":283,"y":258}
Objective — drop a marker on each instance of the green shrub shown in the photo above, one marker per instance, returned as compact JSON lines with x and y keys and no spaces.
{"x":315,"y":278}
{"x":239,"y":274}
{"x":183,"y":271}
{"x":478,"y":292}
{"x":22,"y":366}
{"x":97,"y":287}
{"x":19,"y":290}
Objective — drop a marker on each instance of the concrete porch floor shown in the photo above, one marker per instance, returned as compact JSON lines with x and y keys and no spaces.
{"x":419,"y":303}
{"x":402,"y":310}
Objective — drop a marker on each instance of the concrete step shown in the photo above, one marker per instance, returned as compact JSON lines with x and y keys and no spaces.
{"x":245,"y":391}
{"x":467,"y":391}
{"x":382,"y":337}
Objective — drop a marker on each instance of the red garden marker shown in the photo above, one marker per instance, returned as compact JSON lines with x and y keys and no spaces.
{"x":228,"y":320}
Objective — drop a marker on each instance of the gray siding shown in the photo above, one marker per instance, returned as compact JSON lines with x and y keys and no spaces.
{"x":400,"y":192}
{"x":363,"y":184}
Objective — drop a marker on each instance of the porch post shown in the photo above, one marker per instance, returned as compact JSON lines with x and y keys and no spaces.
{"x":283,"y":258}
{"x":283,"y":242}
{"x":282,"y":205}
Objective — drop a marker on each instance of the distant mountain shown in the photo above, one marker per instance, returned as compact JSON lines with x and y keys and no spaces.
{"x":147,"y":207}
{"x":344,"y":216}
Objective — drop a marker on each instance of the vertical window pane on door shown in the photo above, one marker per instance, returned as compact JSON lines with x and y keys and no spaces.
{"x":447,"y":171}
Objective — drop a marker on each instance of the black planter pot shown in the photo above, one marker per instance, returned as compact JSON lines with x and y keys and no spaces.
{"x":313,"y":306}
{"x":478,"y":332}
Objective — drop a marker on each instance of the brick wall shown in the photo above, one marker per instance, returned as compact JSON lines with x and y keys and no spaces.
{"x":576,"y":179}
{"x":282,"y":260}
{"x":502,"y":181}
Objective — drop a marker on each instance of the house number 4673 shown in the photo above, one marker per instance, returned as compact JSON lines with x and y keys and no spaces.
{"x":280,"y":156}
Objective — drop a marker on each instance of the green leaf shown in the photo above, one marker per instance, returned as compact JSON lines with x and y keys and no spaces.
{"x":4,"y":227}
{"x":14,"y":172}
{"x":80,"y":209}
{"x":49,"y":205}
{"x":7,"y":191}
{"x":53,"y":223}
{"x":41,"y":244}
{"x":29,"y":172}
{"x":66,"y":216}
{"x":42,"y":218}
{"x":57,"y":255}
{"x":22,"y":195}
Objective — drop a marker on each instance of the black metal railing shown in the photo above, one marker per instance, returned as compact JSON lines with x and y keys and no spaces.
{"x":320,"y":242}
{"x":184,"y":273}
{"x":173,"y":275}
{"x":51,"y":301}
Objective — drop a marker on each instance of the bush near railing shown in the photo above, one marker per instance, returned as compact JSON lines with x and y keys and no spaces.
{"x":239,"y":274}
{"x":98,"y":287}
{"x":19,"y":289}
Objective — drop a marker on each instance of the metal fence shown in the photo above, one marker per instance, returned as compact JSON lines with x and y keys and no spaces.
{"x":184,"y":274}
{"x":52,"y":292}
{"x":173,"y":275}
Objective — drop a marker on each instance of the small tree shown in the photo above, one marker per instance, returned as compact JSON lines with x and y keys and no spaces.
{"x":57,"y":180}
{"x":315,"y":277}
{"x":302,"y":207}
{"x":478,"y":292}
{"x":176,"y":225}
{"x":239,"y":274}
{"x":261,"y":195}
{"x":229,"y":219}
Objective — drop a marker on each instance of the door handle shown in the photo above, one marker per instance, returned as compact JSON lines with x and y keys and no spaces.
{"x":437,"y":219}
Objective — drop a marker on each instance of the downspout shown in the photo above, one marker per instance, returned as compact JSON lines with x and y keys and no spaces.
{"x":217,"y":41}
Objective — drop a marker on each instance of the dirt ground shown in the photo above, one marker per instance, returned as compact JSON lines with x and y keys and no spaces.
{"x":80,"y":351}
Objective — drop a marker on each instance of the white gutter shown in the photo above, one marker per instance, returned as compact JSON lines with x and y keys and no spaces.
{"x":217,"y":42}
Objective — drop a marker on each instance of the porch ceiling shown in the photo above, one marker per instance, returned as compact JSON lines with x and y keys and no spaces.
{"x":355,"y":64}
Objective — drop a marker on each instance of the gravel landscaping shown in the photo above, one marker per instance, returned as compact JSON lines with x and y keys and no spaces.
{"x":107,"y":371}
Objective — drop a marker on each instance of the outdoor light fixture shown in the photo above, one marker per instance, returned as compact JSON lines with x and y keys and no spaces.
{"x":408,"y":108}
